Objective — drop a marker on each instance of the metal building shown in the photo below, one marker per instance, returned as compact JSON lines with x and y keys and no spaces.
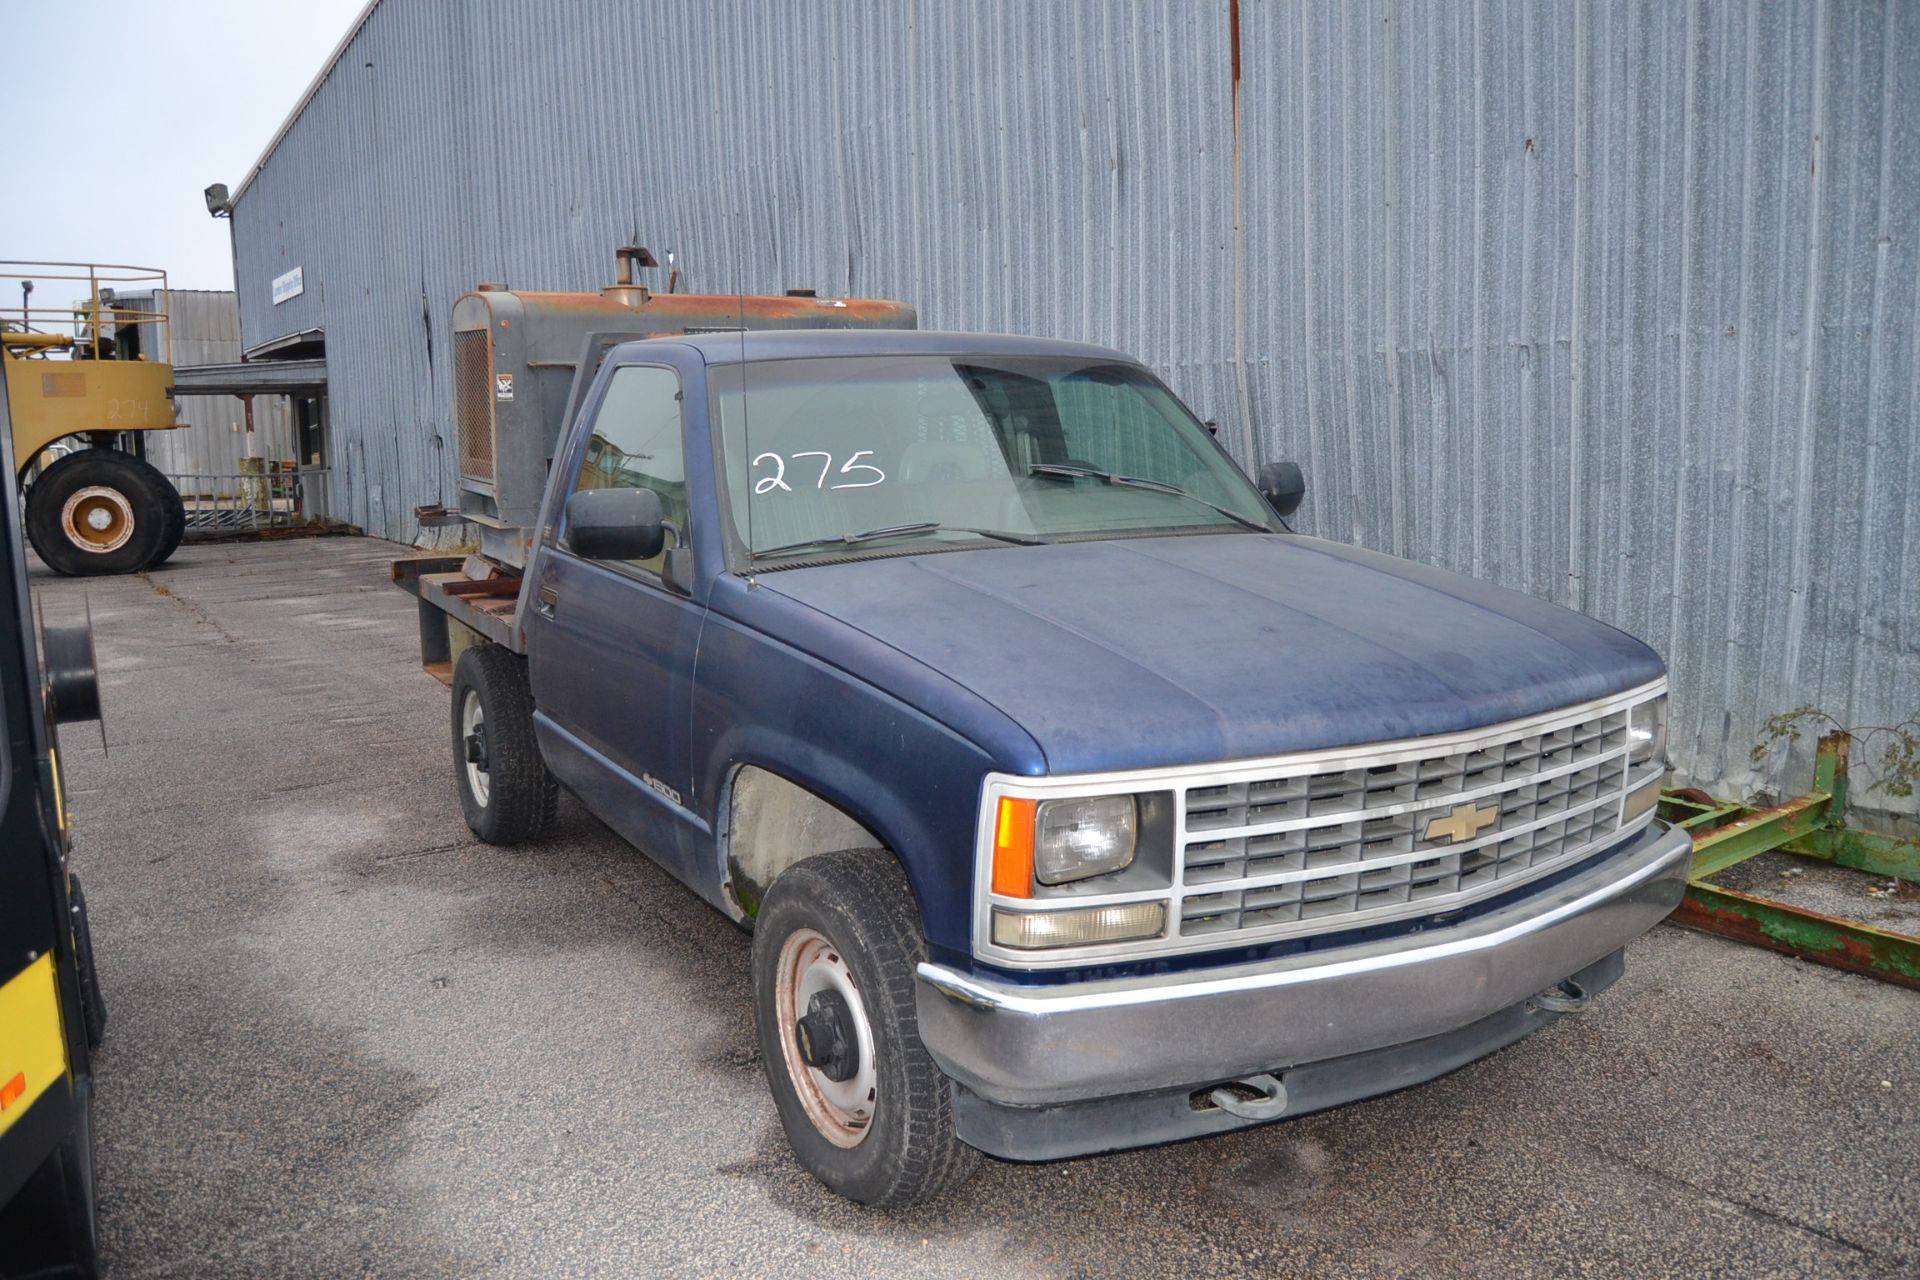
{"x":225,"y":443}
{"x":1613,"y":303}
{"x":203,"y":328}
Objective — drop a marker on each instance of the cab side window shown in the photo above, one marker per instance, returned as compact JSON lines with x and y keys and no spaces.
{"x":637,"y":444}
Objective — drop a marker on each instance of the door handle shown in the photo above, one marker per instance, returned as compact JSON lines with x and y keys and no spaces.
{"x":546,"y":600}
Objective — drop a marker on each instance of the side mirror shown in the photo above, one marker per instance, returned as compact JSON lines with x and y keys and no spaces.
{"x":616,"y":524}
{"x":1283,"y":486}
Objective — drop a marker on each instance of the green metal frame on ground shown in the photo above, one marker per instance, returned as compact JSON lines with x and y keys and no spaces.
{"x":1810,"y":826}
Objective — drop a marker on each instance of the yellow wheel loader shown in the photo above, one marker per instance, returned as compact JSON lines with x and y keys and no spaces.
{"x":88,"y":372}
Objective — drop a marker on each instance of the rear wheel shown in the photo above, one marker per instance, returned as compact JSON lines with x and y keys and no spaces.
{"x":506,"y":792}
{"x":865,"y":1108}
{"x":99,"y":511}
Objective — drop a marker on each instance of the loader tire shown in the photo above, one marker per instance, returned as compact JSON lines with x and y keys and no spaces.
{"x":176,"y":515}
{"x":99,"y":511}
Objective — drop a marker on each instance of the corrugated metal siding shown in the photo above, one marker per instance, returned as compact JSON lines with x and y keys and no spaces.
{"x":1612,"y":303}
{"x":205,"y":329}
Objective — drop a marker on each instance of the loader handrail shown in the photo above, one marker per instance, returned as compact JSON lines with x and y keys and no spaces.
{"x":90,"y":323}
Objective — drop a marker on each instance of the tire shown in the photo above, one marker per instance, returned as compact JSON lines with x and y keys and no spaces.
{"x":506,"y":792}
{"x":93,"y":1006}
{"x":175,"y":514}
{"x":99,"y":511}
{"x":50,"y":1226}
{"x":843,"y":927}
{"x":82,"y":1194}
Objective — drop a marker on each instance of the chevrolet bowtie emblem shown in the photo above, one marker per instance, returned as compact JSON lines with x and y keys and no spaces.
{"x":1464,"y":823}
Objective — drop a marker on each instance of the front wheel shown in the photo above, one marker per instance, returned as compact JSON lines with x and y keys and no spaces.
{"x":506,"y":792}
{"x":865,"y":1108}
{"x":175,"y":514}
{"x":100,"y":511}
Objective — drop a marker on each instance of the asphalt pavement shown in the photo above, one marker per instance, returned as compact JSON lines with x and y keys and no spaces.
{"x":347,"y":1039}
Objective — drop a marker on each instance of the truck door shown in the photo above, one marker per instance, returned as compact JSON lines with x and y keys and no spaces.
{"x":611,"y":644}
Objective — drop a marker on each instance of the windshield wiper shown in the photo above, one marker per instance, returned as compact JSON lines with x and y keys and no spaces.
{"x":895,"y":531}
{"x":1072,"y":471}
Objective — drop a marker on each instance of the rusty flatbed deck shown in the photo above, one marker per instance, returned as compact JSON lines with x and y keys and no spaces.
{"x":472,"y":590}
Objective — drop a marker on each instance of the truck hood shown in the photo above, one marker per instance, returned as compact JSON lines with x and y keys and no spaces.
{"x":1180,"y":650}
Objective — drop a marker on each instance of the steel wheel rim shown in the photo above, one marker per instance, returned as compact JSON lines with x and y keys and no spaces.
{"x":473,"y":728}
{"x":97,"y":519}
{"x":842,"y":1111}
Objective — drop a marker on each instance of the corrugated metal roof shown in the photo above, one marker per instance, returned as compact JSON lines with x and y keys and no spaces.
{"x":1616,"y":304}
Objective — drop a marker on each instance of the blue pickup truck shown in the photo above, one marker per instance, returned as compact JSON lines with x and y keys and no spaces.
{"x":1074,"y":802}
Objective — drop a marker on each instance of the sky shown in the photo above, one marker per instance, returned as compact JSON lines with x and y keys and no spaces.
{"x":133,"y":108}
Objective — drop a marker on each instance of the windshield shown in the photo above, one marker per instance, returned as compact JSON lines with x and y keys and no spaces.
{"x":829,"y":456}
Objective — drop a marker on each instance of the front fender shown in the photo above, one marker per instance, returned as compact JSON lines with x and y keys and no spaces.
{"x":906,"y":777}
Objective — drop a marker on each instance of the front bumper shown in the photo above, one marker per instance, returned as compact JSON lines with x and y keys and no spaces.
{"x":1034,"y":1047}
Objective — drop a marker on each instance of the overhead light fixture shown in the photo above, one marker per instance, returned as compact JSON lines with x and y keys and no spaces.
{"x":219,"y":203}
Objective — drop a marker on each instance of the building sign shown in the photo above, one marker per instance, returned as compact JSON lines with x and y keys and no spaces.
{"x":503,"y":386}
{"x":287,"y":285}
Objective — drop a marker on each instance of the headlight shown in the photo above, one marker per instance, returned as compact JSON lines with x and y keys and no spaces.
{"x":1647,"y":732}
{"x":1089,"y":836}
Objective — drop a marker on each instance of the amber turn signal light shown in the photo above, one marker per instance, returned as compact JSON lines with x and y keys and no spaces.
{"x":1013,"y":848}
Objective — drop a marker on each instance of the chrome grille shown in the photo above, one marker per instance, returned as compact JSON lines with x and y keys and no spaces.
{"x":1321,"y":842}
{"x":1334,"y":847}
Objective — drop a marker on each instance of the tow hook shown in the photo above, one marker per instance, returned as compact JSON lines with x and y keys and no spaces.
{"x":1272,"y":1102}
{"x":1567,"y":997}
